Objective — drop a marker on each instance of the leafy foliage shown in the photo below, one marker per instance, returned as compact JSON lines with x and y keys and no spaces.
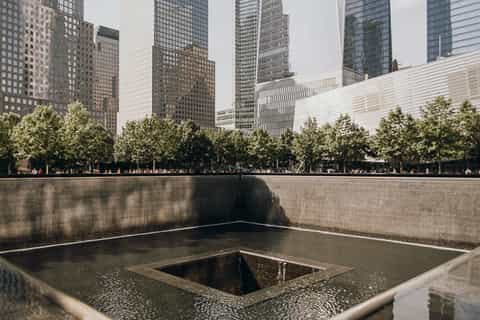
{"x":37,"y":136}
{"x":396,"y":139}
{"x":439,"y":135}
{"x":309,"y":146}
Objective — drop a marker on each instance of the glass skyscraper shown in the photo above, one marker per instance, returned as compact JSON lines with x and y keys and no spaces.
{"x":367,"y":39}
{"x":246,"y":51}
{"x":164,"y":69}
{"x":453,"y":27}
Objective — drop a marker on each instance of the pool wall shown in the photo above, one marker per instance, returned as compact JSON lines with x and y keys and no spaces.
{"x":37,"y":211}
{"x":434,"y":210}
{"x":51,"y":210}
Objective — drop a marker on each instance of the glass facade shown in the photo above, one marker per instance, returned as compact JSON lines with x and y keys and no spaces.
{"x":453,"y":27}
{"x":367,"y":39}
{"x":106,"y":67}
{"x":274,"y":44}
{"x":246,"y":47}
{"x":46,"y":55}
{"x":183,"y":77}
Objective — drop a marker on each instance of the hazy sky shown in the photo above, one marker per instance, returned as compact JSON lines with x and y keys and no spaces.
{"x":313,"y":35}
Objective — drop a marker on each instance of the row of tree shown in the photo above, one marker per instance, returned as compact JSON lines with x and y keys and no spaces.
{"x":77,"y":141}
{"x":44,"y":136}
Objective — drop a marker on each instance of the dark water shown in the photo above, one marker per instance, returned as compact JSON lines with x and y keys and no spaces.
{"x":96,"y":272}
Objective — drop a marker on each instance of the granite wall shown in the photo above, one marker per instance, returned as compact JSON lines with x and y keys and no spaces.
{"x":50,"y":210}
{"x":438,"y":210}
{"x":43,"y":210}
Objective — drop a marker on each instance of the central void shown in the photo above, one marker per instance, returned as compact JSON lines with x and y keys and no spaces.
{"x":239,"y":273}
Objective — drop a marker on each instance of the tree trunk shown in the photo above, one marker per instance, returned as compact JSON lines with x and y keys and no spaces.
{"x":154,"y":166}
{"x":439,"y":167}
{"x":344,"y":166}
{"x":47,"y":171}
{"x":9,"y":168}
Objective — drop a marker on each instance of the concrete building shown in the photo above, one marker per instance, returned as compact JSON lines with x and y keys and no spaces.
{"x":369,"y":101}
{"x":106,"y":74}
{"x":226,"y":119}
{"x":46,"y":52}
{"x":453,"y":27}
{"x":164,"y":66}
{"x":276,"y":100}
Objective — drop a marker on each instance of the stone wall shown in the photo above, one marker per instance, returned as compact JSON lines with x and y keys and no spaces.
{"x":65,"y":209}
{"x":431,"y":209}
{"x":50,"y":210}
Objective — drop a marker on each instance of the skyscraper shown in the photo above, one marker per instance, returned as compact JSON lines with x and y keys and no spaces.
{"x":367,"y":47}
{"x":106,"y":71}
{"x":164,"y":66}
{"x":452,"y":27}
{"x":46,"y":52}
{"x":246,"y":52}
{"x":261,"y":52}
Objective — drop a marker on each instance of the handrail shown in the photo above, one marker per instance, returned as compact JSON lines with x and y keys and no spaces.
{"x":376,"y":303}
{"x":70,"y":305}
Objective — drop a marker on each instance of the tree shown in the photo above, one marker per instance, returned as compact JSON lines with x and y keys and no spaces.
{"x":37,"y":136}
{"x":100,"y":145}
{"x":309,"y":146}
{"x":468,"y":122}
{"x":285,"y":149}
{"x":396,"y":138}
{"x":196,"y":151}
{"x":129,"y":146}
{"x":8,"y":121}
{"x":261,"y":149}
{"x":439,"y":137}
{"x":347,"y":141}
{"x":240,"y":155}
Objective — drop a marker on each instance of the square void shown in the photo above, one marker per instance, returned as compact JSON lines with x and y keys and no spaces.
{"x":239,"y":276}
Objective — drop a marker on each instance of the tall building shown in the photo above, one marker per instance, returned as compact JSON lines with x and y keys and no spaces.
{"x":453,"y":27}
{"x":274,"y":42}
{"x":46,"y":52}
{"x":164,"y":65}
{"x":106,"y":73}
{"x":246,"y":52}
{"x":367,"y":39}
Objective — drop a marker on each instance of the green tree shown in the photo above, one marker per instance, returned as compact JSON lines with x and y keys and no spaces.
{"x":37,"y":136}
{"x":439,"y":137}
{"x":468,"y":122}
{"x":396,"y":138}
{"x":196,"y":151}
{"x":347,"y":141}
{"x":224,"y":148}
{"x":239,"y":157}
{"x":261,"y":149}
{"x":285,"y":152}
{"x":100,"y":145}
{"x":309,"y":146}
{"x":130,"y":146}
{"x":8,"y":121}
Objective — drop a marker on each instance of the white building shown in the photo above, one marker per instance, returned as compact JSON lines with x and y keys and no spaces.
{"x":369,"y":101}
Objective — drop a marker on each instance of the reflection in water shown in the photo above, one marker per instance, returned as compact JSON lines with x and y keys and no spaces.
{"x":97,"y":272}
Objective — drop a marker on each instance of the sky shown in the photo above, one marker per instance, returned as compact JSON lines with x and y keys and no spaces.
{"x":313,"y":34}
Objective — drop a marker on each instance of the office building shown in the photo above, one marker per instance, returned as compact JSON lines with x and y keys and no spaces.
{"x":276,"y":100}
{"x":106,"y":74}
{"x":226,"y":119}
{"x":367,"y":39}
{"x":164,"y":65}
{"x":410,"y":89}
{"x":46,"y":52}
{"x":452,"y":27}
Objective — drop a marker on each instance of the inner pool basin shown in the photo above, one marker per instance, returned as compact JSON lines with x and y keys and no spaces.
{"x":245,"y":271}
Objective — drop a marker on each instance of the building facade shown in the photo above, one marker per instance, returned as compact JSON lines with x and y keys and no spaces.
{"x":246,"y":52}
{"x":367,"y":39}
{"x":46,"y":55}
{"x":225,"y":119}
{"x":164,"y":65}
{"x":106,"y":74}
{"x":276,"y":100}
{"x":410,"y":89}
{"x":452,"y":27}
